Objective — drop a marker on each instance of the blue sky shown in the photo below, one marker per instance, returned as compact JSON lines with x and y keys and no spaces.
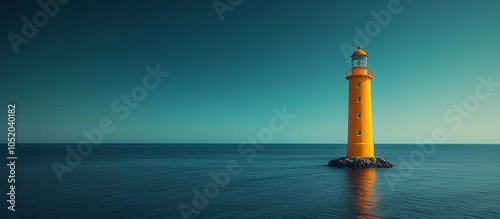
{"x":227,"y":76}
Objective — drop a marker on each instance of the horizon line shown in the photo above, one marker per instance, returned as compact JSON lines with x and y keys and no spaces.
{"x":275,"y":143}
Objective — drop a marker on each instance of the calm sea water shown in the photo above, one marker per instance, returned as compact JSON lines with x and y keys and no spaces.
{"x":282,"y":181}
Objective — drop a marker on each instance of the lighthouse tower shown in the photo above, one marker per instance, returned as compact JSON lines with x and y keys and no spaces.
{"x":359,"y":137}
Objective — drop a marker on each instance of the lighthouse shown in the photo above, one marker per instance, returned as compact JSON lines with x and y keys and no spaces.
{"x":359,"y":136}
{"x":360,"y":152}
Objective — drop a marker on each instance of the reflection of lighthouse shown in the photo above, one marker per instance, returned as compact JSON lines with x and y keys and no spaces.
{"x":359,"y":137}
{"x":362,"y":197}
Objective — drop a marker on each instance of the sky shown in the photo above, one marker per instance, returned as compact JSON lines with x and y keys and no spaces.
{"x":226,"y":76}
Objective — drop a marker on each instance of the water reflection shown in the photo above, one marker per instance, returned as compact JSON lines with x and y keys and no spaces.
{"x":361,"y":195}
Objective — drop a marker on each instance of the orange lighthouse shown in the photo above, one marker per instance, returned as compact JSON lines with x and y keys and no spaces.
{"x":359,"y":136}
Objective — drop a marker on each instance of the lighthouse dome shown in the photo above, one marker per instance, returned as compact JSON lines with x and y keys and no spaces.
{"x":359,"y":52}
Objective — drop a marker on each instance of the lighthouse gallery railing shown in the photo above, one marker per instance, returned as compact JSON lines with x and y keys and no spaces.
{"x":366,"y":72}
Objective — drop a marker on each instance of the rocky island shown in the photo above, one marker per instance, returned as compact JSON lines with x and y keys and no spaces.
{"x":360,"y":162}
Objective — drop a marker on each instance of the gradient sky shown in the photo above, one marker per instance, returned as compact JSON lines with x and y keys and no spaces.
{"x":226,"y":77}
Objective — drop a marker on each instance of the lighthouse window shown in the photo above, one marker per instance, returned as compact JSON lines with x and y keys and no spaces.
{"x":359,"y":115}
{"x":359,"y":133}
{"x":359,"y":85}
{"x":359,"y":99}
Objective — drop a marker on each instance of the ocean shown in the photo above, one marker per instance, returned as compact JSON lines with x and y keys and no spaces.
{"x":271,"y":181}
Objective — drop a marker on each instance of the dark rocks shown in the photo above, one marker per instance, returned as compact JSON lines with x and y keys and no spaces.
{"x":360,"y":162}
